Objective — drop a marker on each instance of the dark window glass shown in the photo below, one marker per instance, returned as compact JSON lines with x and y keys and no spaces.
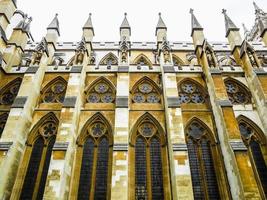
{"x":32,"y":171}
{"x":156,"y":170}
{"x":102,"y":170}
{"x":3,"y":119}
{"x":210,"y":175}
{"x":260,"y":164}
{"x":86,"y":170}
{"x":195,"y":170}
{"x":140,"y":170}
{"x":45,"y":168}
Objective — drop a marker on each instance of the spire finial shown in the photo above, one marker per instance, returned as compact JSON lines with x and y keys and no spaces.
{"x":161,"y":24}
{"x":195,"y":25}
{"x":125,"y":24}
{"x":229,"y":24}
{"x":88,"y":24}
{"x":54,"y":24}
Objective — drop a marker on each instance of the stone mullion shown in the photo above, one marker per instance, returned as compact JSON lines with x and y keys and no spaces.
{"x":66,"y":135}
{"x":175,"y":135}
{"x":227,"y":127}
{"x":20,"y":116}
{"x":119,"y":179}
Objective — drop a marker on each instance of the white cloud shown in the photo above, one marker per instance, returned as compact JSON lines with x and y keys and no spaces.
{"x":142,"y":15}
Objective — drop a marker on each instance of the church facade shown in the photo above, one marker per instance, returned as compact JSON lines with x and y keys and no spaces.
{"x":132,"y":120}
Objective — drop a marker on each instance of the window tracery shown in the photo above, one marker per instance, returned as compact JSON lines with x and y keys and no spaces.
{"x":237,"y":94}
{"x":201,"y":162}
{"x":142,"y":60}
{"x":96,"y":137}
{"x":146,"y":91}
{"x":9,"y":92}
{"x":39,"y":144}
{"x":101,"y":91}
{"x":148,"y":160}
{"x":190,"y":92}
{"x":109,"y":59}
{"x":54,"y":92}
{"x":256,"y":143}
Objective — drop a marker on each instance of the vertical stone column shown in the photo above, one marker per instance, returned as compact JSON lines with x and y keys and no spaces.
{"x":19,"y":124}
{"x":61,"y":164}
{"x":178,"y":156}
{"x":119,"y":180}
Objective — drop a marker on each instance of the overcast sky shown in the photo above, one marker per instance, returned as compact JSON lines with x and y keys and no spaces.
{"x":107,"y":16}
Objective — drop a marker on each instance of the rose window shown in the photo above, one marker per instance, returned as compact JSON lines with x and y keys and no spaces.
{"x":147,"y":129}
{"x":189,"y":92}
{"x":98,"y":129}
{"x":48,"y":129}
{"x":55,"y":93}
{"x":196,"y":130}
{"x":102,"y":92}
{"x":237,"y":94}
{"x":146,"y":93}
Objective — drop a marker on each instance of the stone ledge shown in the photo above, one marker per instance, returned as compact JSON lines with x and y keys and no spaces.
{"x":31,"y":70}
{"x":122,"y":102}
{"x":259,"y":71}
{"x":173,"y":102}
{"x":179,"y":147}
{"x":4,"y":146}
{"x":69,"y":102}
{"x":168,"y":69}
{"x":60,"y":146}
{"x":120,"y":147}
{"x":215,"y":71}
{"x":238,"y":146}
{"x":76,"y":69}
{"x":225,"y":103}
{"x":123,"y":69}
{"x":19,"y":102}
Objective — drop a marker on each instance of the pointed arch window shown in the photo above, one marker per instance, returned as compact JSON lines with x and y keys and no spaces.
{"x":255,"y":140}
{"x":237,"y":93}
{"x":9,"y":92}
{"x":191,"y":92}
{"x":94,"y":152}
{"x":101,"y":91}
{"x":3,"y":119}
{"x":142,"y":60}
{"x":146,"y":91}
{"x":109,"y":59}
{"x":201,"y":162}
{"x":54,"y":92}
{"x":37,"y":157}
{"x":149,"y":150}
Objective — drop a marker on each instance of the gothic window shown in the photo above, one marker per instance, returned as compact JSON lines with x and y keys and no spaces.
{"x":190,"y":92}
{"x":146,"y":91}
{"x":256,"y":143}
{"x":203,"y":174}
{"x":109,"y":59}
{"x":149,"y":148}
{"x":237,"y":93}
{"x":39,"y":147}
{"x":101,"y":91}
{"x":3,"y":119}
{"x":95,"y":145}
{"x":54,"y":92}
{"x":9,"y":92}
{"x":142,"y":60}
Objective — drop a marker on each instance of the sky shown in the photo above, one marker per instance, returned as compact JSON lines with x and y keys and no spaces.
{"x":107,"y":16}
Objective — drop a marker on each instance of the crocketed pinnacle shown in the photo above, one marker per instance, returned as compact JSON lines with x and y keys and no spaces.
{"x":229,"y":24}
{"x":54,"y":24}
{"x":88,"y":24}
{"x":161,"y":24}
{"x":195,"y":25}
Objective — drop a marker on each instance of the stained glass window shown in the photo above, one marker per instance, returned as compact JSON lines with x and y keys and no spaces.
{"x":190,"y":92}
{"x":237,"y":94}
{"x":140,"y":170}
{"x":201,"y":163}
{"x":145,"y":92}
{"x":55,"y":91}
{"x":101,"y":92}
{"x":251,"y":137}
{"x":9,"y":92}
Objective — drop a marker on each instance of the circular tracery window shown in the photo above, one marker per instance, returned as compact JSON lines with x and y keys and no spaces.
{"x":107,"y":98}
{"x":139,"y":98}
{"x":153,"y":98}
{"x":245,"y":130}
{"x":147,"y":129}
{"x":101,"y":88}
{"x":93,"y":98}
{"x":98,"y":129}
{"x":145,"y":88}
{"x":190,"y":93}
{"x":195,"y":130}
{"x":236,"y":94}
{"x":48,"y":129}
